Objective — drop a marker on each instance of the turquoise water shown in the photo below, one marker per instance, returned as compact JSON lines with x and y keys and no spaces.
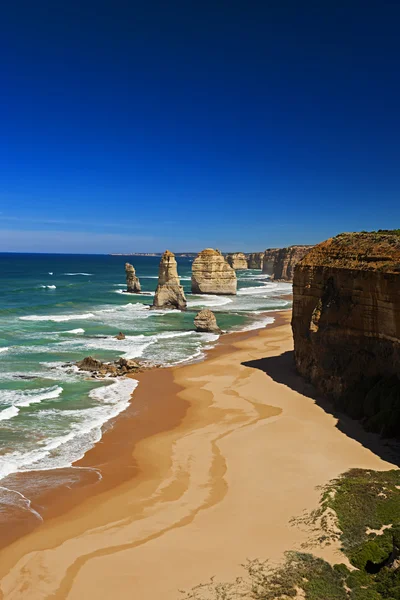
{"x":57,"y":309}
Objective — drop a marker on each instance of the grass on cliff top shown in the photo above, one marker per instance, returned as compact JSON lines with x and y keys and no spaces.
{"x":362,"y":500}
{"x":302,"y":575}
{"x":384,"y":232}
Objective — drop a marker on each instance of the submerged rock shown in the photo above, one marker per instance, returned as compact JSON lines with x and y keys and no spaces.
{"x":169,"y":292}
{"x":205,"y":321}
{"x":237,"y":260}
{"x":132,"y":282}
{"x":211,"y":274}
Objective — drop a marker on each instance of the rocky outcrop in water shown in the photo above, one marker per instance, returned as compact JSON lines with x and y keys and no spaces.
{"x":285,"y":261}
{"x":237,"y":260}
{"x":346,"y":325}
{"x":269,"y":260}
{"x":205,"y":321}
{"x":211,"y":274}
{"x":132,"y":282}
{"x":97,"y":368}
{"x":255,"y":260}
{"x":169,"y":292}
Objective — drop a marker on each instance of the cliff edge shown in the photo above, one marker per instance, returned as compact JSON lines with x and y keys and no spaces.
{"x":285,"y":261}
{"x":346,"y":325}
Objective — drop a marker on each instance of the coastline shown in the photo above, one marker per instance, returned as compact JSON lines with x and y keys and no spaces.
{"x":204,"y":469}
{"x":62,"y":488}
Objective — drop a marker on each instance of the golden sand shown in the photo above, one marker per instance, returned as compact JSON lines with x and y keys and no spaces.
{"x":204,"y":470}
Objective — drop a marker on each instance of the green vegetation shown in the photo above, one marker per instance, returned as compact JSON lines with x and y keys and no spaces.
{"x":366,"y":506}
{"x":384,"y":232}
{"x":302,"y":576}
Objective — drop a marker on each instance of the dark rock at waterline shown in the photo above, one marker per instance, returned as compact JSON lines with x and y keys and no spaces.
{"x":97,"y":368}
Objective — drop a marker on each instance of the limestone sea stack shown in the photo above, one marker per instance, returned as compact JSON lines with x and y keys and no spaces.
{"x":169,"y":292}
{"x":237,"y":260}
{"x":285,"y":261}
{"x":132,"y":282}
{"x":255,"y":260}
{"x":346,"y":325}
{"x":205,"y":321}
{"x":269,"y":260}
{"x":211,"y":274}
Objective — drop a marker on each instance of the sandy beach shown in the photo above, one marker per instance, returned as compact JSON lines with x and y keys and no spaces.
{"x":205,"y":469}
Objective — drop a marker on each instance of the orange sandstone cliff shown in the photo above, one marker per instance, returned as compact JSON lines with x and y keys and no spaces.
{"x":346,"y":325}
{"x":269,"y":259}
{"x":286,"y":259}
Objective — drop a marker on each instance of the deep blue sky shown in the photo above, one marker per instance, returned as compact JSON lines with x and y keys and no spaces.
{"x":136,"y":126}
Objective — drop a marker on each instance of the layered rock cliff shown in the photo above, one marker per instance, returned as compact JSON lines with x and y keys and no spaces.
{"x":237,"y":260}
{"x":285,"y":261}
{"x":132,"y":282}
{"x":255,"y":260}
{"x":269,"y":259}
{"x":346,"y":325}
{"x":211,"y":274}
{"x":205,"y":321}
{"x":169,"y":292}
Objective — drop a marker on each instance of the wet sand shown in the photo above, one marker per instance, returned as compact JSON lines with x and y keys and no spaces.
{"x":205,"y":469}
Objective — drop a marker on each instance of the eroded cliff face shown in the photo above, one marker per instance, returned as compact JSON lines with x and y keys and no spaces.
{"x":269,"y":259}
{"x":255,"y":260}
{"x":132,"y":282}
{"x":211,"y":274}
{"x":346,"y":325}
{"x":285,"y":261}
{"x":237,"y":260}
{"x":169,"y":292}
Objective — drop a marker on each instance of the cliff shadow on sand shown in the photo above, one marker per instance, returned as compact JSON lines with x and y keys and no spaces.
{"x":282,"y":370}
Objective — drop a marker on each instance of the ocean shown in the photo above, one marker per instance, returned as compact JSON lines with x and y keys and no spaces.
{"x":57,"y":309}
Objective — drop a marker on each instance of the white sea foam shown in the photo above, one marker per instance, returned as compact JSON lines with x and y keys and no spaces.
{"x":77,"y":331}
{"x":17,"y":497}
{"x":57,"y":318}
{"x":63,"y":451}
{"x":24,"y":398}
{"x":51,"y":273}
{"x":57,"y":371}
{"x":4,"y":349}
{"x":104,"y":314}
{"x":258,"y":324}
{"x":49,"y":287}
{"x":85,"y":274}
{"x":259,"y":289}
{"x":133,"y":346}
{"x":8,"y":413}
{"x":208,"y":300}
